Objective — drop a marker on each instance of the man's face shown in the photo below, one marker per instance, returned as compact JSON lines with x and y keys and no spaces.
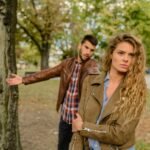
{"x":122,"y":57}
{"x":86,"y":50}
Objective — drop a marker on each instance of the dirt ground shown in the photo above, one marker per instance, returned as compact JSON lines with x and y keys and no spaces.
{"x":39,"y":125}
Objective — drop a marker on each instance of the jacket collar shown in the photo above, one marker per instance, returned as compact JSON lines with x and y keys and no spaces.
{"x":99,"y":79}
{"x":88,"y":68}
{"x":98,"y":87}
{"x":112,"y":102}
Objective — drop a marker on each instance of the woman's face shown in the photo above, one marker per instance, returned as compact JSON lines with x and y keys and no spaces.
{"x":122,"y":57}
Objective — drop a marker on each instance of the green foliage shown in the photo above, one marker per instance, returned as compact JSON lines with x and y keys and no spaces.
{"x":100,"y":17}
{"x":31,"y":55}
{"x":38,"y":19}
{"x":141,"y":145}
{"x":38,"y":23}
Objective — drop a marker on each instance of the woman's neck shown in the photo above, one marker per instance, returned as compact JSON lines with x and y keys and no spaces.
{"x":116,"y":76}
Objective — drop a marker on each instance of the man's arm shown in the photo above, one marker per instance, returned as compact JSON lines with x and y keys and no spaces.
{"x":36,"y":77}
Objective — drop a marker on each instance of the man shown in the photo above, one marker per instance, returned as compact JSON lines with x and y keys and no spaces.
{"x":72,"y":72}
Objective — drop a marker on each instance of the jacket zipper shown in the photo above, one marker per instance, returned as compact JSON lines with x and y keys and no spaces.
{"x":91,"y":130}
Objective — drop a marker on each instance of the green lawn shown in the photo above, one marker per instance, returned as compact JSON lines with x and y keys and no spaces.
{"x":42,"y":93}
{"x":141,"y":145}
{"x":148,"y":100}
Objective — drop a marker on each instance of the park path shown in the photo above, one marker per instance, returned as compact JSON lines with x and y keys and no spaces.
{"x":38,"y":125}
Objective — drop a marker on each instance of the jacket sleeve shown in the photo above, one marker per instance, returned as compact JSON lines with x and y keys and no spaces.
{"x":116,"y":134}
{"x":83,"y":98}
{"x":44,"y":74}
{"x":76,"y":142}
{"x":77,"y":139}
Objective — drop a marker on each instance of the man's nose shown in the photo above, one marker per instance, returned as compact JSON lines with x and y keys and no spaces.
{"x":88,"y":51}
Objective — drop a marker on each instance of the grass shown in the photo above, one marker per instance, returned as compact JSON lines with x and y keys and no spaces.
{"x":148,"y":101}
{"x":141,"y":145}
{"x":43,"y":92}
{"x":46,"y":90}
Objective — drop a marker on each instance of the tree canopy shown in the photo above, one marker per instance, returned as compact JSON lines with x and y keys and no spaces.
{"x":65,"y":23}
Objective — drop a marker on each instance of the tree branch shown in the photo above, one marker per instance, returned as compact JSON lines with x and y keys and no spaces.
{"x":34,"y":7}
{"x":32,"y":22}
{"x":30,"y":35}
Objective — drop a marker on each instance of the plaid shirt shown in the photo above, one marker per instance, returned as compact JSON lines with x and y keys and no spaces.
{"x":71,"y":100}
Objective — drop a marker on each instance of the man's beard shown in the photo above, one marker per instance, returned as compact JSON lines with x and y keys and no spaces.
{"x":82,"y":60}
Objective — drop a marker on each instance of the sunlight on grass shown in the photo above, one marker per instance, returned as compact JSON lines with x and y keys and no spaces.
{"x":43,"y":92}
{"x":142,"y":145}
{"x":46,"y":90}
{"x":148,"y":101}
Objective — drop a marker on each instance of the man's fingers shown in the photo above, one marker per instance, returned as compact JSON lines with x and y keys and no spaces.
{"x":73,"y":130}
{"x":78,"y":116}
{"x":13,"y":75}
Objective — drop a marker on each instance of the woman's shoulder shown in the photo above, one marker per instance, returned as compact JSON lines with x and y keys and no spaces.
{"x":95,"y":78}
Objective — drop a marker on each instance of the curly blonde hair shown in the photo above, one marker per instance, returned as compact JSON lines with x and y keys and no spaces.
{"x":133,"y":93}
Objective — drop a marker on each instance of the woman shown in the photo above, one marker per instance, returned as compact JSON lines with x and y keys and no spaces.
{"x":112,"y":102}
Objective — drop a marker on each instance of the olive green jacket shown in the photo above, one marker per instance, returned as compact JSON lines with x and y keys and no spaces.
{"x":112,"y":132}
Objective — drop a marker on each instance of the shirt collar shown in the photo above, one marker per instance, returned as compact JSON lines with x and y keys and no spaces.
{"x":107,"y":77}
{"x":76,"y":61}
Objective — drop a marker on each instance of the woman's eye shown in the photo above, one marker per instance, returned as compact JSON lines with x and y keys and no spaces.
{"x":120,"y":53}
{"x":132,"y":55}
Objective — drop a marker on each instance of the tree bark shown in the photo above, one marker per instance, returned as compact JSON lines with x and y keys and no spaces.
{"x":9,"y":128}
{"x":44,"y":53}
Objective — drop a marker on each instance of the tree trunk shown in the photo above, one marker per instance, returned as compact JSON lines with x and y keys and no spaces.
{"x":44,"y":56}
{"x":9,"y":129}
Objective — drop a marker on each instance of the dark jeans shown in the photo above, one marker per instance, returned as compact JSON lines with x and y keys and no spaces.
{"x":65,"y":135}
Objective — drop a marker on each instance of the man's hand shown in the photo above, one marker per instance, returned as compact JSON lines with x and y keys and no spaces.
{"x":77,"y":123}
{"x":14,"y":79}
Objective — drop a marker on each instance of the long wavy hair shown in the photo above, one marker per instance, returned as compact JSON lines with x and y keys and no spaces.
{"x":133,"y":92}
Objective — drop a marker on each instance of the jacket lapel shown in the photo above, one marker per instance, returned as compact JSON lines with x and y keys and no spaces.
{"x":98,"y":88}
{"x":111,"y":103}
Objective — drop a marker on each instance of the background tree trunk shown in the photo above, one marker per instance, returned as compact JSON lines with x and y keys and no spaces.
{"x":9,"y":130}
{"x":44,"y":53}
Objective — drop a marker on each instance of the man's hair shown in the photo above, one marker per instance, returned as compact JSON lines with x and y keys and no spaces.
{"x":92,"y":39}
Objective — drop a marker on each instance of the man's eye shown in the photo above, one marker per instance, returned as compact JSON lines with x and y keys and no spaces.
{"x":92,"y":50}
